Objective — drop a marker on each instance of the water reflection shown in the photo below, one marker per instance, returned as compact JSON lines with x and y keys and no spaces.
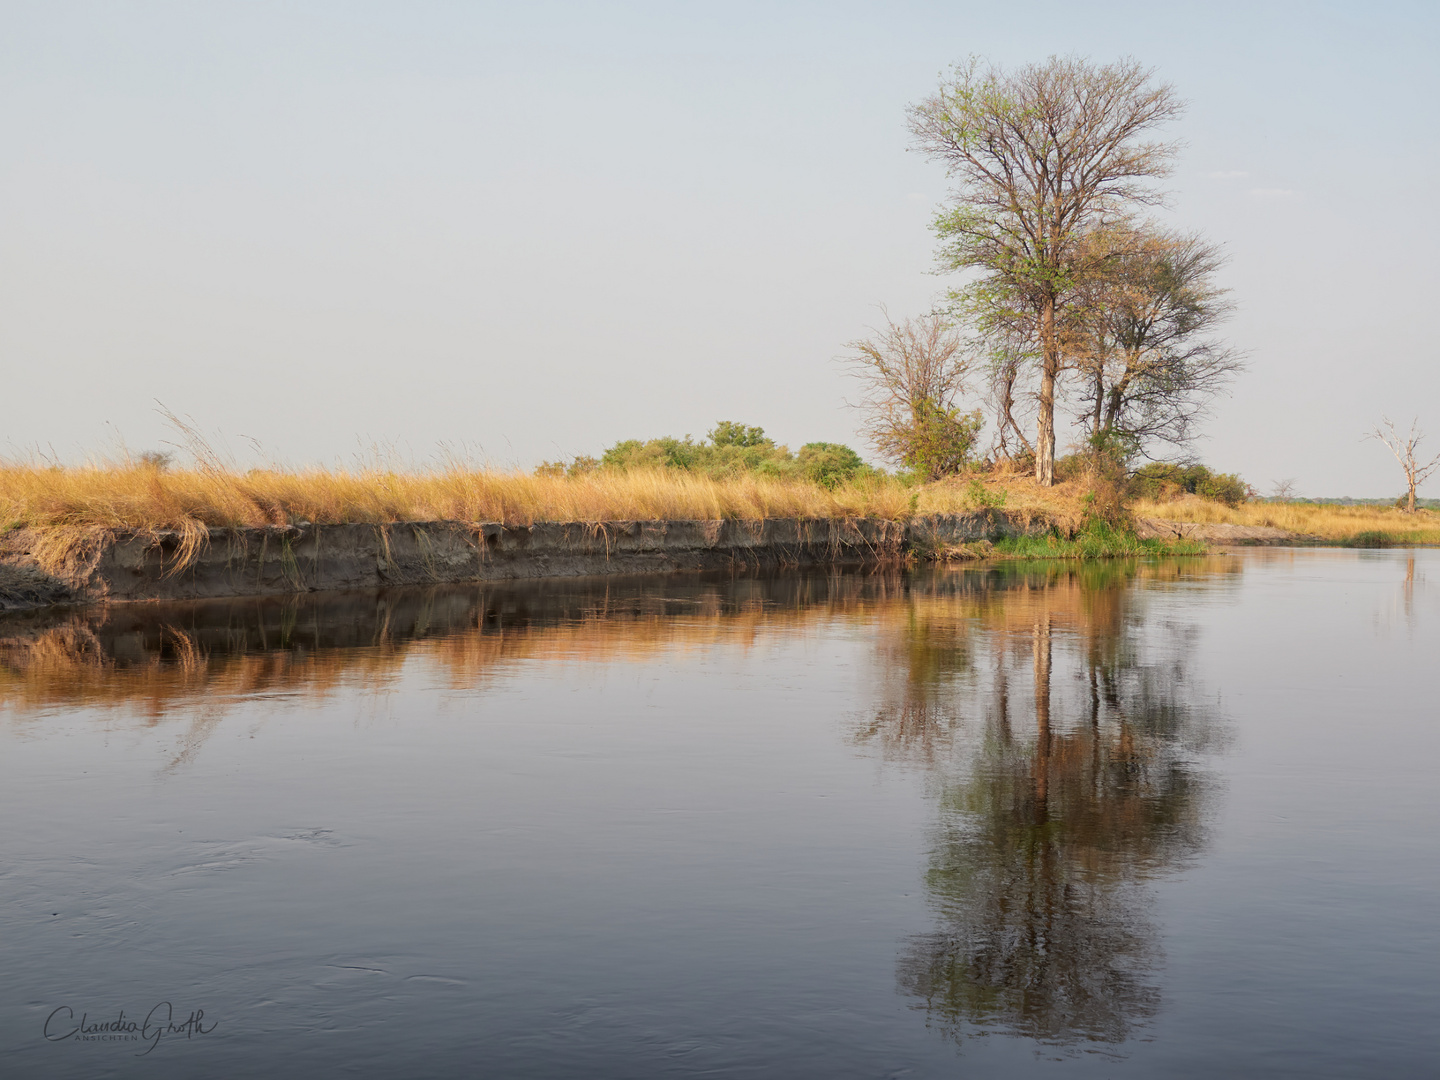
{"x":1049,"y":708}
{"x":154,"y":659}
{"x":1061,"y":728}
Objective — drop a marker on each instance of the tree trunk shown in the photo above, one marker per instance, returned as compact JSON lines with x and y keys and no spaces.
{"x":1045,"y":424}
{"x":1410,"y":476}
{"x":1041,"y":649}
{"x":1097,"y":419}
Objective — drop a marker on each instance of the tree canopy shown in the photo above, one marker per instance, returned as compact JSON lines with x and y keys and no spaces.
{"x":1045,"y":159}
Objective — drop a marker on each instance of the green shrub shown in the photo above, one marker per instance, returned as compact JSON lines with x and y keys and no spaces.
{"x":729,"y":433}
{"x":1225,"y":488}
{"x":941,"y":442}
{"x":1069,"y":467}
{"x":982,"y":498}
{"x":1161,"y":480}
{"x":828,"y":464}
{"x":578,"y":467}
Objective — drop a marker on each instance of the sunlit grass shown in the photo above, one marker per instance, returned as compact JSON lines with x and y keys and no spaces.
{"x":140,"y":497}
{"x":137,"y":496}
{"x":1361,"y":525}
{"x":74,"y":508}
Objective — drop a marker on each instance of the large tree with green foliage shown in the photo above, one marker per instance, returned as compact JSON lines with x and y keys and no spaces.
{"x":1042,"y":157}
{"x":1148,"y":361}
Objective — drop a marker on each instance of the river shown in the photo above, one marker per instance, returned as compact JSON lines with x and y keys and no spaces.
{"x":1122,"y":819}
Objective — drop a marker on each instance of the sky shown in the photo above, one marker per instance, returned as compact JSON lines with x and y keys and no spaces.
{"x":517,"y":232}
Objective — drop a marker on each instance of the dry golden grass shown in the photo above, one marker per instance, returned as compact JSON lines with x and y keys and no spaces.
{"x":1336,"y":523}
{"x":128,"y":496}
{"x":76,"y":509}
{"x":141,"y":497}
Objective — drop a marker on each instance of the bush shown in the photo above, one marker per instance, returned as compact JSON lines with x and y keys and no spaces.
{"x":1070,"y":467}
{"x":578,"y":467}
{"x":1225,"y":488}
{"x":941,"y":441}
{"x":828,"y":464}
{"x":982,"y":498}
{"x":729,"y":433}
{"x":1103,"y":478}
{"x":1161,"y":481}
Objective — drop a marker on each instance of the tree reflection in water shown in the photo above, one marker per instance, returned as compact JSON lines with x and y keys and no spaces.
{"x":1059,"y":725}
{"x":1050,"y":708}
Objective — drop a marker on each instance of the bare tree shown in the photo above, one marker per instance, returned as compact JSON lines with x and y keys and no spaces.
{"x":1041,"y":156}
{"x":1006,"y":370}
{"x":1147,"y":358}
{"x":1283,"y":490}
{"x":914,"y":374}
{"x":1404,"y":447}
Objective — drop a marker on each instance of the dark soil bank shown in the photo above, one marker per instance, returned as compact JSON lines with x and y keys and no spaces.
{"x":256,"y":562}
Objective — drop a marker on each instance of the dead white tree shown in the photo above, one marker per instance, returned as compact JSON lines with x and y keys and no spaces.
{"x":1404,"y":447}
{"x":1283,"y":490}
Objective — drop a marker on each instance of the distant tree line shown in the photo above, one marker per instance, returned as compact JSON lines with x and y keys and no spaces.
{"x":730,"y":450}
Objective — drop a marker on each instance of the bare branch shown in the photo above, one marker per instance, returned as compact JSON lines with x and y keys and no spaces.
{"x":1404,"y":448}
{"x":1146,"y":359}
{"x":911,"y":373}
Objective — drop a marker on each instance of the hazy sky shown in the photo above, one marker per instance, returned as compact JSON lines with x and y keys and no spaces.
{"x":529,"y":230}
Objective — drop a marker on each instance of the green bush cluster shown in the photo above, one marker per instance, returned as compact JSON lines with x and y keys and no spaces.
{"x":941,"y":441}
{"x":730,"y":450}
{"x":1161,"y":480}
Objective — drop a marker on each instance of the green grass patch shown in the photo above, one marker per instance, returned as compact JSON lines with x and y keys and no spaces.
{"x":1097,"y":541}
{"x":1090,"y":546}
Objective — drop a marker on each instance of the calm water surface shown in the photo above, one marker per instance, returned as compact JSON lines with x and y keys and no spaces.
{"x":1121,"y":820}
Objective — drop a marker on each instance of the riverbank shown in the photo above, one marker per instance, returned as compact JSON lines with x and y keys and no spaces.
{"x":70,"y":501}
{"x":146,"y":565}
{"x":137,"y":531}
{"x":1291,"y":522}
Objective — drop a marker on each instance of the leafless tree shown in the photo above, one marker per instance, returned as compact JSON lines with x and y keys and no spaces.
{"x":1007,"y":368}
{"x":1147,"y":358}
{"x":1041,"y":157}
{"x":1404,"y":447}
{"x":913,"y":373}
{"x":1283,"y":490}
